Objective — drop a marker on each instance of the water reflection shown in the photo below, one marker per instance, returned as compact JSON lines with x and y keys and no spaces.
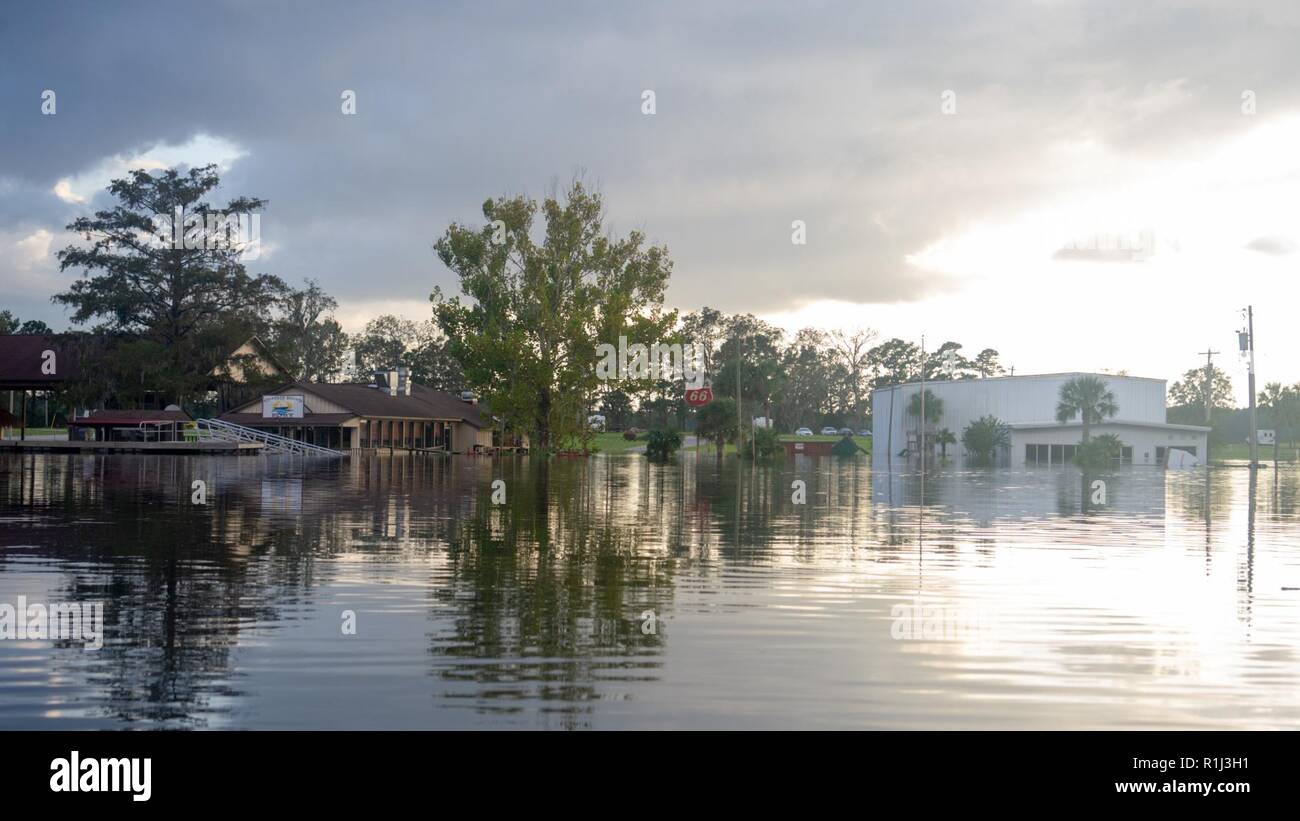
{"x":616,"y":593}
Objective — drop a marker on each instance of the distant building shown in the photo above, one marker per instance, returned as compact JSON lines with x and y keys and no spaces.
{"x":237,"y":378}
{"x":1027,"y":405}
{"x":390,"y":412}
{"x":35,"y":362}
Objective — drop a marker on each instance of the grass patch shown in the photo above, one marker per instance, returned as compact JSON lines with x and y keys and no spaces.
{"x":612,"y":442}
{"x":1241,"y":451}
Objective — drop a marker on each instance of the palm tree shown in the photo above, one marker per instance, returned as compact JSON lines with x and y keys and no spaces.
{"x":933,"y":407}
{"x":1087,"y":397}
{"x":943,"y":439}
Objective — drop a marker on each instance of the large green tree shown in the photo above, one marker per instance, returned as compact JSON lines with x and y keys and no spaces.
{"x":388,"y":341}
{"x":540,"y":299}
{"x":1189,"y":392}
{"x":894,"y":362}
{"x":173,"y":310}
{"x":306,"y":338}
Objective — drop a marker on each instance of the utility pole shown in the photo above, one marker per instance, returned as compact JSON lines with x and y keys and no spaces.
{"x":1254,"y":422}
{"x":739,"y":427}
{"x":922,"y":439}
{"x":1209,"y":400}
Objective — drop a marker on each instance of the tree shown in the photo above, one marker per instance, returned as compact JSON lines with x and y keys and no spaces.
{"x":1190,"y":390}
{"x":850,"y":348}
{"x":389,"y":341}
{"x":765,"y":447}
{"x":616,"y":407}
{"x":306,"y":338}
{"x":943,"y":439}
{"x":894,"y":362}
{"x":386,"y":342}
{"x":538,"y":309}
{"x":10,"y":324}
{"x":933,"y":407}
{"x":984,"y":438}
{"x":1087,"y":397}
{"x":761,"y":375}
{"x":705,"y":328}
{"x":661,"y":444}
{"x":717,"y":421}
{"x":1279,"y":401}
{"x":946,"y":362}
{"x":806,"y":392}
{"x":986,"y":363}
{"x":183,"y":308}
{"x":1099,"y":453}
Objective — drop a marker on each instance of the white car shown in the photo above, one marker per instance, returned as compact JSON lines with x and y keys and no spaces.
{"x":803,"y":432}
{"x":830,"y":431}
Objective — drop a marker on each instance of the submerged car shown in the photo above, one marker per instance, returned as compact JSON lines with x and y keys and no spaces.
{"x":803,"y":432}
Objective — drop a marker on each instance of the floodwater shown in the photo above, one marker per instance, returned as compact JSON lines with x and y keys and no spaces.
{"x":391,"y":592}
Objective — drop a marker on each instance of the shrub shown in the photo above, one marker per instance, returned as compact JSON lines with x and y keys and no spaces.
{"x":1098,"y":453}
{"x":661,"y":444}
{"x":984,"y":437}
{"x":766,"y":445}
{"x":630,"y":434}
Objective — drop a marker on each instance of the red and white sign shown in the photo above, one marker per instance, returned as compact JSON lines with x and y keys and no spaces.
{"x":699,"y":397}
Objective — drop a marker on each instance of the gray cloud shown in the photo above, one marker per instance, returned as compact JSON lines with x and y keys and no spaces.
{"x":767,"y":113}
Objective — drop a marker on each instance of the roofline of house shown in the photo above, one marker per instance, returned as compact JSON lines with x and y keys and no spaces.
{"x":307,"y":386}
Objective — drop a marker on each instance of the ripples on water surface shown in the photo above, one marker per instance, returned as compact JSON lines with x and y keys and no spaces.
{"x":1168,"y":608}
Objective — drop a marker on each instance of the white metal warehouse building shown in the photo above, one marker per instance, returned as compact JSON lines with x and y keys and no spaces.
{"x":1027,"y":404}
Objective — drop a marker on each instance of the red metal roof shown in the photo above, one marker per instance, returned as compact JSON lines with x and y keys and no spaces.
{"x":22,"y":357}
{"x":130,"y":417}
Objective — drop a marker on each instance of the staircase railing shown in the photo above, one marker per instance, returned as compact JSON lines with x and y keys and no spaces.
{"x":230,"y":432}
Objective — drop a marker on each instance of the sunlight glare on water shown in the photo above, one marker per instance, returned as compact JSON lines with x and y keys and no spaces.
{"x":1000,"y":600}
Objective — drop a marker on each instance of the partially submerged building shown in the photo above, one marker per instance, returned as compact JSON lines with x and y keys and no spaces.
{"x":390,"y":412}
{"x":1027,"y":405}
{"x":169,"y":425}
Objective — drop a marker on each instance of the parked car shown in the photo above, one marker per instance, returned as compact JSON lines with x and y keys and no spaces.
{"x":829,"y":431}
{"x":803,"y":432}
{"x":864,"y":433}
{"x":846,"y":431}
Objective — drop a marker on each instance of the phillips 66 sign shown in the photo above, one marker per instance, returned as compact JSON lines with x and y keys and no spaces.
{"x":699,"y":397}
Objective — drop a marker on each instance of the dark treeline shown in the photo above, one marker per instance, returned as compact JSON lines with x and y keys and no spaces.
{"x":814,"y":378}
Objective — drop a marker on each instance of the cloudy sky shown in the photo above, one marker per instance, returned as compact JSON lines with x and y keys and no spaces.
{"x":1081,"y":186}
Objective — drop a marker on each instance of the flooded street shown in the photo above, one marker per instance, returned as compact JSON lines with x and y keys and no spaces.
{"x":613,"y":593}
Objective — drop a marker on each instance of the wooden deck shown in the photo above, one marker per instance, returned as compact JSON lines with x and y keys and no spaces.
{"x":64,"y":446}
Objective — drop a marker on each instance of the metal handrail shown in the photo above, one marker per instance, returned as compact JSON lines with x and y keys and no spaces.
{"x":230,"y":432}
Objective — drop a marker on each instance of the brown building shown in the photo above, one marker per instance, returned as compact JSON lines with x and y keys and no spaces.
{"x":35,"y":362}
{"x":356,"y":415}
